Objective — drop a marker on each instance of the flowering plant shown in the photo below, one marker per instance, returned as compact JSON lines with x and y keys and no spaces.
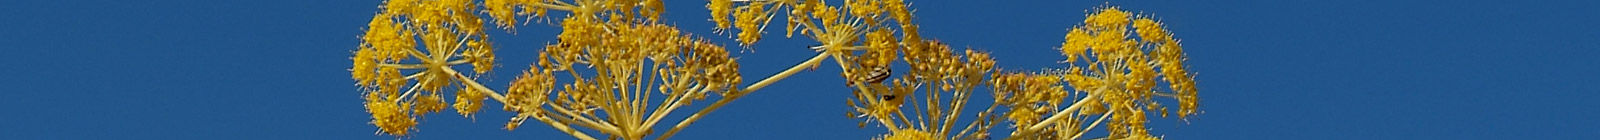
{"x":1115,"y":61}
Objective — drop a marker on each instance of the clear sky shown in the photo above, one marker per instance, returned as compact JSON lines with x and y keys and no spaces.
{"x":1268,"y":69}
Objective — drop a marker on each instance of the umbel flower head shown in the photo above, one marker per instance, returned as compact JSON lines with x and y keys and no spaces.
{"x":450,"y":35}
{"x":1112,"y":76}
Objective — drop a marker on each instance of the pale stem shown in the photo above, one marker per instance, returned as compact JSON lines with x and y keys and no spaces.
{"x":807,"y":26}
{"x":497,"y":97}
{"x":930,"y":109}
{"x":958,"y":103}
{"x":902,"y":115}
{"x":1092,"y":125}
{"x":753,"y":87}
{"x":770,"y":12}
{"x":563,"y":127}
{"x":975,"y":121}
{"x":585,"y":121}
{"x":408,"y":92}
{"x":924,"y":115}
{"x":558,"y":4}
{"x":404,"y":66}
{"x":414,"y":75}
{"x":640,"y":92}
{"x":416,"y":53}
{"x":610,"y":103}
{"x":1065,"y":113}
{"x":453,"y":49}
{"x":1164,"y":94}
{"x":474,"y":84}
{"x":655,"y":117}
{"x":422,"y":66}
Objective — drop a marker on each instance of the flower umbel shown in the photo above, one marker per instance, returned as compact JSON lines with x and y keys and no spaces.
{"x":389,"y":58}
{"x":1112,"y":77}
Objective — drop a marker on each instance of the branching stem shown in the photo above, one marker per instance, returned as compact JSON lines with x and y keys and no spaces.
{"x":1092,"y":125}
{"x":1059,"y":115}
{"x":740,"y":93}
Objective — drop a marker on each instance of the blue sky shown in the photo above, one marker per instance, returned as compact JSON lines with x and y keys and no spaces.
{"x":1268,"y":69}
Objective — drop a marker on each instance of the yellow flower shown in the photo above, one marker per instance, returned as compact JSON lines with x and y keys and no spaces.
{"x":430,"y":103}
{"x":480,"y":54}
{"x":898,"y":10}
{"x":390,"y":117}
{"x":468,"y":101}
{"x":364,"y":67}
{"x":882,"y":48}
{"x":749,"y":23}
{"x":653,"y":9}
{"x":501,"y":11}
{"x":1109,"y":17}
{"x":529,"y":90}
{"x":1123,"y":71}
{"x":719,"y":12}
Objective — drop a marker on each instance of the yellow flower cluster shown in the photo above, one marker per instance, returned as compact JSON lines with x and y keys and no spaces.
{"x":746,"y":22}
{"x":1112,"y":75}
{"x":1169,"y":56}
{"x":451,"y":34}
{"x":1030,"y":96}
{"x":832,"y":25}
{"x":468,"y":101}
{"x":390,"y":117}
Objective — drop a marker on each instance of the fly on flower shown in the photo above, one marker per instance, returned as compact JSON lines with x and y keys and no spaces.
{"x":877,"y":75}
